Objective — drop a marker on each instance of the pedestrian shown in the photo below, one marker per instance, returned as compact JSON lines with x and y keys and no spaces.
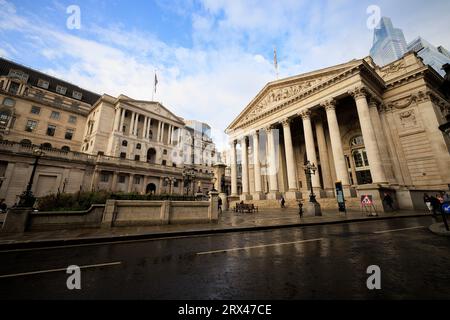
{"x":435,"y":205}
{"x":427,"y":201}
{"x":3,"y":206}
{"x":282,"y":202}
{"x":388,"y":200}
{"x":446,"y":197}
{"x":219,"y":201}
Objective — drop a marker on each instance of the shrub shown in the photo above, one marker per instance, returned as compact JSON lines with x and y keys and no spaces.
{"x":84,"y":200}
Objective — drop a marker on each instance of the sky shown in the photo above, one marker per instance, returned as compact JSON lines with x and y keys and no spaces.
{"x":211,"y":57}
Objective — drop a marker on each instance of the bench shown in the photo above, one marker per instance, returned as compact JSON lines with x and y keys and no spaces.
{"x":245,"y":208}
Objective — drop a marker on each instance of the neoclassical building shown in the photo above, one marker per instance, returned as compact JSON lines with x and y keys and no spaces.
{"x":373,"y":129}
{"x":91,"y":141}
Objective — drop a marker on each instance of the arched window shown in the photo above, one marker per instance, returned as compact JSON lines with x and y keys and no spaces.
{"x":124,"y":143}
{"x":46,"y":145}
{"x":65,"y":148}
{"x":25,"y":142}
{"x":357,"y":141}
{"x":138,"y":146}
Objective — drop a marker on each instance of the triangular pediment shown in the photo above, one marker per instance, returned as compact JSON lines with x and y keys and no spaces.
{"x":155,"y":108}
{"x":277,"y":92}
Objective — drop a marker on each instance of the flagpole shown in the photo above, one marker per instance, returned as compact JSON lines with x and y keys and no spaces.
{"x":275,"y":61}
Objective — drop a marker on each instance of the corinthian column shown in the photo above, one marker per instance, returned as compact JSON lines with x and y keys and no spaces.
{"x":272,"y":172}
{"x":323,"y":156}
{"x":258,"y":195}
{"x":310,"y":147}
{"x":336,"y":146}
{"x":245,"y":181}
{"x":293,"y":192}
{"x":117,"y":119}
{"x":233,"y":164}
{"x":370,"y":142}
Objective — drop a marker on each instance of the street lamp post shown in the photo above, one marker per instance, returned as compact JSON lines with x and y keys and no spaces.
{"x":310,"y":169}
{"x":312,"y":207}
{"x":27,"y":199}
{"x":188,"y":177}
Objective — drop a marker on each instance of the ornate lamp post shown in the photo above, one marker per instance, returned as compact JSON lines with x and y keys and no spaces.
{"x":310,"y":169}
{"x":169,"y":181}
{"x":27,"y":199}
{"x":188,"y":177}
{"x":312,"y":207}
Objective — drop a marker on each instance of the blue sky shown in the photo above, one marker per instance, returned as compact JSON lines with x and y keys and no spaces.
{"x":212,"y":56}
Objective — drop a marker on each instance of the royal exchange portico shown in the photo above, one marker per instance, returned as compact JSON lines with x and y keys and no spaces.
{"x":373,"y":129}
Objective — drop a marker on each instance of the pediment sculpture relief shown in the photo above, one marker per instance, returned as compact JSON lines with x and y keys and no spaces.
{"x":280,"y":94}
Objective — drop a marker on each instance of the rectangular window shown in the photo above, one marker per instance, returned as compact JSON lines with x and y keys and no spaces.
{"x":121,"y":179}
{"x":35,"y":110}
{"x":137,"y":180}
{"x":43,"y":84}
{"x":137,"y":157}
{"x":104,"y":177}
{"x":164,"y":162}
{"x":55,"y":115}
{"x":61,"y":90}
{"x":77,"y":95}
{"x":123,"y":155}
{"x":31,"y":125}
{"x":69,"y":134}
{"x":51,"y":130}
{"x":14,"y":87}
{"x":72,"y":119}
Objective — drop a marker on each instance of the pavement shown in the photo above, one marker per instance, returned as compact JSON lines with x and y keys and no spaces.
{"x":265,"y":219}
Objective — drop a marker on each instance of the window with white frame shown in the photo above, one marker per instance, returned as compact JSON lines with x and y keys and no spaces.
{"x":77,"y":95}
{"x":43,"y":84}
{"x":61,"y":90}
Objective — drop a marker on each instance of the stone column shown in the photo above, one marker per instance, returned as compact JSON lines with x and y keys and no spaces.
{"x":274,"y":193}
{"x":130,"y":183}
{"x":131,"y":131}
{"x":144,"y":129}
{"x":381,"y":140}
{"x":136,"y":123}
{"x":122,"y":120}
{"x":234,"y":186}
{"x":245,"y":181}
{"x":117,"y":119}
{"x":258,"y":194}
{"x":336,"y":146}
{"x":324,"y":163}
{"x":293,"y":192}
{"x":310,"y":148}
{"x":114,"y":181}
{"x":370,"y":142}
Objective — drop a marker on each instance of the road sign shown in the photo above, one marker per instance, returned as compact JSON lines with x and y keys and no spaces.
{"x":366,"y":200}
{"x":446,"y":208}
{"x":340,"y":197}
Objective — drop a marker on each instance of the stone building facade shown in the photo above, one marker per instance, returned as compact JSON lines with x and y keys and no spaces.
{"x":90,"y":142}
{"x":374,"y":129}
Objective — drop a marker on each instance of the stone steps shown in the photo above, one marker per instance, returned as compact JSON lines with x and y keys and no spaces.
{"x":325,"y":203}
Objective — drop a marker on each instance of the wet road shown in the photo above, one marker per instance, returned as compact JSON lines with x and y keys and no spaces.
{"x":320,"y":262}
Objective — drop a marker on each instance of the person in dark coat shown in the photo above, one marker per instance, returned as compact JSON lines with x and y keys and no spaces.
{"x":435,"y":204}
{"x":282,"y":202}
{"x":388,"y":200}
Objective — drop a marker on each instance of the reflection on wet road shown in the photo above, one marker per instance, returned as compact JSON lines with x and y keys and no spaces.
{"x":317,"y":262}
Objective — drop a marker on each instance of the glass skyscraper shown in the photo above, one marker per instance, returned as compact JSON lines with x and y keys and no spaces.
{"x":389,"y":43}
{"x":430,"y":54}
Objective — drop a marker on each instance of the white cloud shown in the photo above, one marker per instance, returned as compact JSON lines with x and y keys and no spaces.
{"x":231,"y":56}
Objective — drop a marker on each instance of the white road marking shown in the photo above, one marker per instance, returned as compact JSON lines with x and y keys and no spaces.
{"x":260,"y":246}
{"x":59,"y":270}
{"x":395,"y":230}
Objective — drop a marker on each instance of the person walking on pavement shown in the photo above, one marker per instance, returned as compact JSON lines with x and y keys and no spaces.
{"x":427,"y":201}
{"x":388,"y":200}
{"x":282,"y":202}
{"x":219,"y":201}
